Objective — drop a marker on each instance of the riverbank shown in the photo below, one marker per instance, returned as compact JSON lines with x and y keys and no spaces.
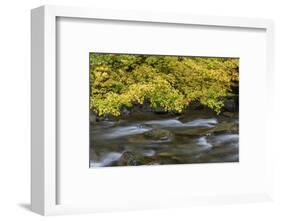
{"x":231,"y":105}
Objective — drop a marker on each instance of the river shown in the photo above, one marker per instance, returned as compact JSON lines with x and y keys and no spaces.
{"x":199,"y":136}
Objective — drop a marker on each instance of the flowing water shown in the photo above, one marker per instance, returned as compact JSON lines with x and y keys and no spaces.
{"x":159,"y":139}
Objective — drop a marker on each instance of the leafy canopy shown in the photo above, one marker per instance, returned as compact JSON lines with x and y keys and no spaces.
{"x":168,"y":82}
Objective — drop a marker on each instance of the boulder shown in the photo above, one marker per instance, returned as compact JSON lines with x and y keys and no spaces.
{"x":228,"y":114}
{"x":159,"y":134}
{"x":193,"y":131}
{"x":130,"y":158}
{"x":231,"y":104}
{"x":125,"y":111}
{"x":222,"y":127}
{"x":195,"y":105}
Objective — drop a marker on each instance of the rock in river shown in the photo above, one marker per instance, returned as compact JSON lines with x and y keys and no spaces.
{"x":159,"y":134}
{"x":231,"y":127}
{"x":228,"y":114}
{"x":130,"y":158}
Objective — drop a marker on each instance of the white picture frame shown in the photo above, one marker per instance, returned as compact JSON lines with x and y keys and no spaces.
{"x":44,"y":155}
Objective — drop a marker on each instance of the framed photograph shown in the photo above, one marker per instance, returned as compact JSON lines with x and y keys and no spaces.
{"x":135,"y":110}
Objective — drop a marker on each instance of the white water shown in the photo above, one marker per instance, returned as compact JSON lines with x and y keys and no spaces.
{"x":176,"y":123}
{"x":202,"y":123}
{"x":165,"y":123}
{"x":202,"y":142}
{"x":227,"y":138}
{"x":126,"y":131}
{"x":106,"y":160}
{"x":149,"y":153}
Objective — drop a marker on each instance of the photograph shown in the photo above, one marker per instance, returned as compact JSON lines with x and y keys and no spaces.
{"x":162,"y":109}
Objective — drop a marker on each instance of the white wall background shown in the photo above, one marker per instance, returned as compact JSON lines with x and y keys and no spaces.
{"x":15,"y":107}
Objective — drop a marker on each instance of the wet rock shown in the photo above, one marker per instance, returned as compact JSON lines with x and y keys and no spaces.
{"x":195,"y":105}
{"x":145,"y":107}
{"x":223,"y":152}
{"x":159,"y":134}
{"x":231,"y":104}
{"x":101,"y":118}
{"x":228,"y":114}
{"x":231,"y":127}
{"x":125,"y":111}
{"x":94,"y":118}
{"x":130,"y":158}
{"x":196,"y":131}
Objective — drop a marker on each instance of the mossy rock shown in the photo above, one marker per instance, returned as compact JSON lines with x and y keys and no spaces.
{"x":228,"y":114}
{"x":193,"y":131}
{"x":159,"y":134}
{"x":225,"y":127}
{"x":130,"y":158}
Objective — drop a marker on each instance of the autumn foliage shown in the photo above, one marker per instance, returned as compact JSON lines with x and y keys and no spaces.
{"x":167,"y":82}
